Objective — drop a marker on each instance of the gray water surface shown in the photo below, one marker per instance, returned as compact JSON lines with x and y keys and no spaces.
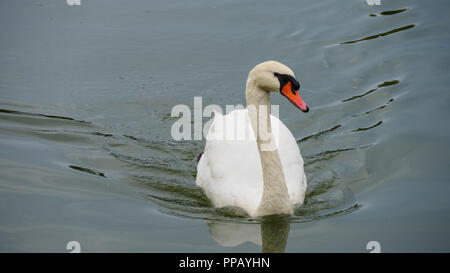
{"x":86,"y":94}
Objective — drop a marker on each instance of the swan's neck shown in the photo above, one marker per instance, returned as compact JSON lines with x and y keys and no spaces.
{"x":275,"y":199}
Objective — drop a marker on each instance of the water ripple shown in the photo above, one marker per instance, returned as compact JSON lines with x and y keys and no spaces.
{"x":384,"y":84}
{"x":380,"y":35}
{"x":392,"y":12}
{"x":319,"y":133}
{"x":376,"y":109}
{"x":39,"y":115}
{"x":86,"y":170}
{"x":368,"y":128}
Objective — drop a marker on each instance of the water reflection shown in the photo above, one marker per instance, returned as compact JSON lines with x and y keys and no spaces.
{"x":271,"y":233}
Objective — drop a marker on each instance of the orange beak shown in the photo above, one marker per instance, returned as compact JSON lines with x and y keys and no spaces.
{"x":294,"y":97}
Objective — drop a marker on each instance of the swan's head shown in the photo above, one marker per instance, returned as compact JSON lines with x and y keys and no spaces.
{"x":274,"y":76}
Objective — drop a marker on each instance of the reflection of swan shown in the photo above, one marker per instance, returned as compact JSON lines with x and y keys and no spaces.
{"x":265,"y":176}
{"x":271,"y":234}
{"x":234,"y":234}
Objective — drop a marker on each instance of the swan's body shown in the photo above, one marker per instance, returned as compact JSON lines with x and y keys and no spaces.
{"x":260,"y":172}
{"x":230,"y":171}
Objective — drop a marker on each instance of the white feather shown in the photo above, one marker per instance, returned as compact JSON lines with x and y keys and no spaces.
{"x":230,"y":172}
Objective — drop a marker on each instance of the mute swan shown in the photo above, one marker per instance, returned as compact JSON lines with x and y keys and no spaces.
{"x":261,"y":173}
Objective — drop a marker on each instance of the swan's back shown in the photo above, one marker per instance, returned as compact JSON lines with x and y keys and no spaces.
{"x":230,"y":171}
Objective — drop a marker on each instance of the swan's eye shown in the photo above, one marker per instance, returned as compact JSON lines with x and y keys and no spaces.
{"x":295,"y":84}
{"x":284,"y":79}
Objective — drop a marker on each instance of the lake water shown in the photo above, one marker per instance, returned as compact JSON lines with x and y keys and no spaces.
{"x":86,"y":94}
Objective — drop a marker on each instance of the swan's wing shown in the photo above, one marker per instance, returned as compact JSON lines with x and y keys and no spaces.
{"x":231,"y":145}
{"x":291,"y":160}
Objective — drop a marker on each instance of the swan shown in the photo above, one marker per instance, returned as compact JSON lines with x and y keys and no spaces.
{"x":261,"y":173}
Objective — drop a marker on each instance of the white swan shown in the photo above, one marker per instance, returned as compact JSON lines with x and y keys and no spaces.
{"x":261,"y":173}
